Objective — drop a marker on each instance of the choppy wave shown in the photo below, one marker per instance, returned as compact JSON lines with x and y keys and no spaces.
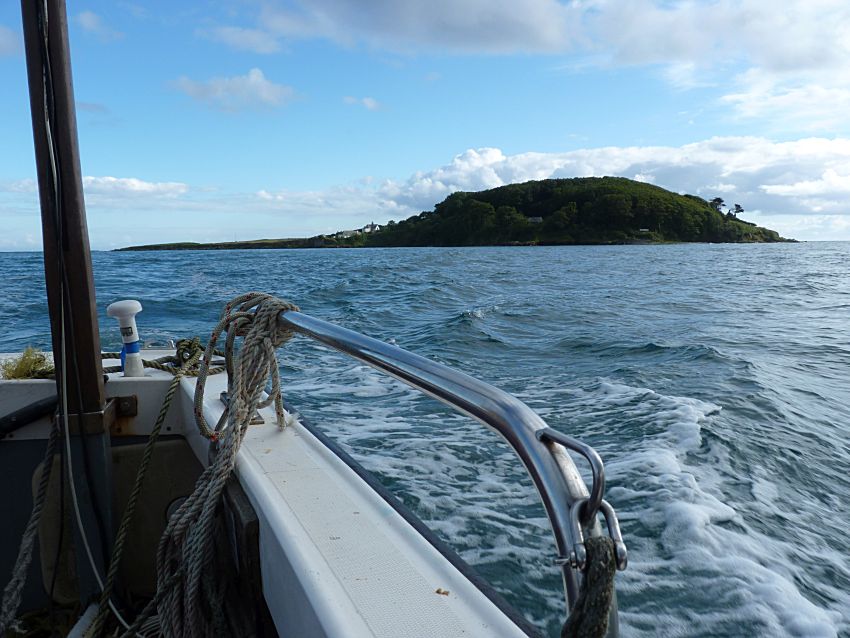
{"x":658,"y":351}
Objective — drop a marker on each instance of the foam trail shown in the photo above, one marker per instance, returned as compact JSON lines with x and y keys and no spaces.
{"x":682,"y":530}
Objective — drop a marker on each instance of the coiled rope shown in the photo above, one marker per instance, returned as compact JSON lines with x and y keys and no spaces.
{"x":189,"y":600}
{"x":172,"y":363}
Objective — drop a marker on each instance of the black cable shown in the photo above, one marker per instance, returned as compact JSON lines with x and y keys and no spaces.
{"x":54,"y":179}
{"x":87,"y":470}
{"x":62,"y":244}
{"x":61,"y":535}
{"x":31,"y":412}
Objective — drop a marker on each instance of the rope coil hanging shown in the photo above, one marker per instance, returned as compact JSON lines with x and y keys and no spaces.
{"x":188,"y":597}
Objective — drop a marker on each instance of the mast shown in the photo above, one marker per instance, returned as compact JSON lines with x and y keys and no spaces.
{"x":67,"y":259}
{"x":70,"y":283}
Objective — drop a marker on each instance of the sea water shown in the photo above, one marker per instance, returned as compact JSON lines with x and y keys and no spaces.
{"x":714,"y":380}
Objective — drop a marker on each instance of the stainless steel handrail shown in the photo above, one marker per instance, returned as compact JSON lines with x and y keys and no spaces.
{"x":554,"y":474}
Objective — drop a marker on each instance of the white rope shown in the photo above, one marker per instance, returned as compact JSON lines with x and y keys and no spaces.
{"x":189,"y":599}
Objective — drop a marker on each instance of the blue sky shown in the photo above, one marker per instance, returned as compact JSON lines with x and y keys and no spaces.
{"x":239,"y":119}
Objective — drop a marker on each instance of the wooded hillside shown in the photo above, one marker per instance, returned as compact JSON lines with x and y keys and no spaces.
{"x":588,"y":210}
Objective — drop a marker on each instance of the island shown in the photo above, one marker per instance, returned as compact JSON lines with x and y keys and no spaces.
{"x":582,"y":210}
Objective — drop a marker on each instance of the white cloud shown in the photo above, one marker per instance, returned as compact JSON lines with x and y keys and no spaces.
{"x":809,"y":100}
{"x":28,"y":241}
{"x":94,"y":24}
{"x":802,"y":34}
{"x":238,"y":92}
{"x":798,"y":188}
{"x":475,"y":169}
{"x":9,"y":42}
{"x":132,"y":186}
{"x":267,"y":196}
{"x":721,"y":188}
{"x":20,"y":186}
{"x":810,"y":227}
{"x":684,"y":76}
{"x":492,"y":26}
{"x":92,"y":107}
{"x":830,"y":183}
{"x":255,"y":40}
{"x":783,"y":63}
{"x":348,"y":204}
{"x":369,"y":103}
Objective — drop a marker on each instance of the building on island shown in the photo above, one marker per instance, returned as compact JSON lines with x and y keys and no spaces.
{"x":348,"y":234}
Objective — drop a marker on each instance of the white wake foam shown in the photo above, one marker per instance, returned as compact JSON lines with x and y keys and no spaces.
{"x":689,"y":542}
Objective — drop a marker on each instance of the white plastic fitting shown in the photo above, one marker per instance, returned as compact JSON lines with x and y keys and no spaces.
{"x":125,"y":312}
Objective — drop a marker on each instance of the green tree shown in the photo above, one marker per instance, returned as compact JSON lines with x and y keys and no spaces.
{"x":717,"y":203}
{"x":560,"y":220}
{"x":477,"y":224}
{"x":618,"y":209}
{"x":510,"y":224}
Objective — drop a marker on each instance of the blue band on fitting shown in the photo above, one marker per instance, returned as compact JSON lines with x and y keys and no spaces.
{"x":129,"y":348}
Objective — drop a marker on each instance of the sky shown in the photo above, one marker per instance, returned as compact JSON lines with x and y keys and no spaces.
{"x":245,"y":119}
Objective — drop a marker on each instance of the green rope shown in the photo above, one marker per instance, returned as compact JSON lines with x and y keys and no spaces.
{"x":589,"y":616}
{"x":172,"y":363}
